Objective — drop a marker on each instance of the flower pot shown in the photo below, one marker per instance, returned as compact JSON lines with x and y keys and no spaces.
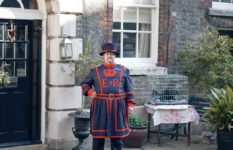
{"x":136,"y":137}
{"x":225,"y":140}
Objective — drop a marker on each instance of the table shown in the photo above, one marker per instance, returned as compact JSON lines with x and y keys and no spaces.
{"x":168,"y":114}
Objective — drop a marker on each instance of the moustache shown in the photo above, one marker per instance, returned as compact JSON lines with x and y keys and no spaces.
{"x":110,"y":59}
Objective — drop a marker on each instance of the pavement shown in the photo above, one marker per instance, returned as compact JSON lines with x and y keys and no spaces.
{"x":166,"y":144}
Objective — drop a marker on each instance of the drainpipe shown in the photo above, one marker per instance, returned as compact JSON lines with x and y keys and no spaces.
{"x":168,"y":30}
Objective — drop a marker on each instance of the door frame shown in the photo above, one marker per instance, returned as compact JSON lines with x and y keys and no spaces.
{"x":29,"y":14}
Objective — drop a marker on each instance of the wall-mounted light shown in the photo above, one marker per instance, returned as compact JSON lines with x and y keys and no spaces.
{"x":66,"y":49}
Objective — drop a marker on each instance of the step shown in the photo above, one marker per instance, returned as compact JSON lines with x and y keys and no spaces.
{"x":27,"y":147}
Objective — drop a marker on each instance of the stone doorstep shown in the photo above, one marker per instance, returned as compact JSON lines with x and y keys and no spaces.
{"x":27,"y":147}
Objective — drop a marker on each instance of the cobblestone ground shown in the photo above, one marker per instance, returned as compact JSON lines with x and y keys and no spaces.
{"x":166,"y":144}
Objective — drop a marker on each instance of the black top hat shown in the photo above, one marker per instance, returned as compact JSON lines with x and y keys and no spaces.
{"x":109,"y":47}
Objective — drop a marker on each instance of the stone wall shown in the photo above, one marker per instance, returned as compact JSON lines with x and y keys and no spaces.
{"x":63,"y":96}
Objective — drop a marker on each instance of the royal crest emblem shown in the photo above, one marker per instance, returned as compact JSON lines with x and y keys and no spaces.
{"x":109,"y":73}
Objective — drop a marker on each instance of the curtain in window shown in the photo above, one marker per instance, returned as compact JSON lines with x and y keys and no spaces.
{"x":144,"y":42}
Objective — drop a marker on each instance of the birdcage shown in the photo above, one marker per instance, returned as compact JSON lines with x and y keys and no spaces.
{"x":169,"y":89}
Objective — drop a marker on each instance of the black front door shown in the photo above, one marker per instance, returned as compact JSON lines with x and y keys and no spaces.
{"x":20,"y":100}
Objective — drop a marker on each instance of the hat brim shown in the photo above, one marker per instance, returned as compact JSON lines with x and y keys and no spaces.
{"x":102,"y":53}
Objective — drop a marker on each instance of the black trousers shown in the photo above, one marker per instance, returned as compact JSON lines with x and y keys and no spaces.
{"x":98,"y":143}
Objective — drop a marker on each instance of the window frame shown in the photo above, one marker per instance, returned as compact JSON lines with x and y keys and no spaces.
{"x":130,"y":62}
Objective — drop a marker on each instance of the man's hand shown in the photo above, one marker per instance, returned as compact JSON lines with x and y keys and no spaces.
{"x":130,"y":110}
{"x":93,"y":95}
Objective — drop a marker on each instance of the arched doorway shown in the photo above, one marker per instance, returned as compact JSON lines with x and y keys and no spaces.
{"x":21,"y":47}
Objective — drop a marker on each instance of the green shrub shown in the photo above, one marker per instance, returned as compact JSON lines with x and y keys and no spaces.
{"x":209,"y":62}
{"x":136,"y":121}
{"x":4,"y":76}
{"x":86,"y":62}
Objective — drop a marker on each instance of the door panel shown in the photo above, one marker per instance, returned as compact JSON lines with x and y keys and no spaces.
{"x":16,"y":99}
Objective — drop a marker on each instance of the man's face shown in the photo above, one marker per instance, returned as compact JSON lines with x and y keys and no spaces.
{"x":109,"y":58}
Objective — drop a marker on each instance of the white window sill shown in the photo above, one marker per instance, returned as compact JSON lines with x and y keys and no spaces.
{"x":222,"y":6}
{"x":220,"y":12}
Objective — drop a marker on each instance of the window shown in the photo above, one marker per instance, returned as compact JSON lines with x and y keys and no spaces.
{"x":14,"y":47}
{"x":27,"y":4}
{"x":135,"y":28}
{"x":222,"y":4}
{"x":223,"y":1}
{"x":228,"y":32}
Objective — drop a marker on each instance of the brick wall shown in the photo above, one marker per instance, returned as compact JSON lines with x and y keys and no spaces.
{"x":144,"y":85}
{"x":96,"y":23}
{"x":142,"y":89}
{"x":182,"y":22}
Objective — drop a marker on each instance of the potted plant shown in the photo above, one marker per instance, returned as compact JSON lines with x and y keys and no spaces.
{"x":4,"y":76}
{"x":137,"y":131}
{"x":219,"y":115}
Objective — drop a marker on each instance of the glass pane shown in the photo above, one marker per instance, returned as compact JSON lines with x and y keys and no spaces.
{"x":9,"y":50}
{"x":144,"y":19}
{"x":117,"y":14}
{"x":1,"y":31}
{"x":10,"y":3}
{"x":9,"y":33}
{"x":226,"y":1}
{"x":21,"y":50}
{"x":144,"y":27}
{"x":215,"y":0}
{"x":129,"y":44}
{"x":11,"y":68}
{"x":144,"y":45}
{"x":26,"y":3}
{"x":130,"y":18}
{"x":116,"y":25}
{"x":130,"y":26}
{"x":1,"y":50}
{"x":20,"y":33}
{"x":20,"y":68}
{"x":20,"y":4}
{"x":117,"y":39}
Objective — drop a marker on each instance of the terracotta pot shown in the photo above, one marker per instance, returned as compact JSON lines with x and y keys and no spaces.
{"x":136,"y":137}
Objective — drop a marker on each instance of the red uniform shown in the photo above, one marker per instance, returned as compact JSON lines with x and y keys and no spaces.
{"x":115,"y":94}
